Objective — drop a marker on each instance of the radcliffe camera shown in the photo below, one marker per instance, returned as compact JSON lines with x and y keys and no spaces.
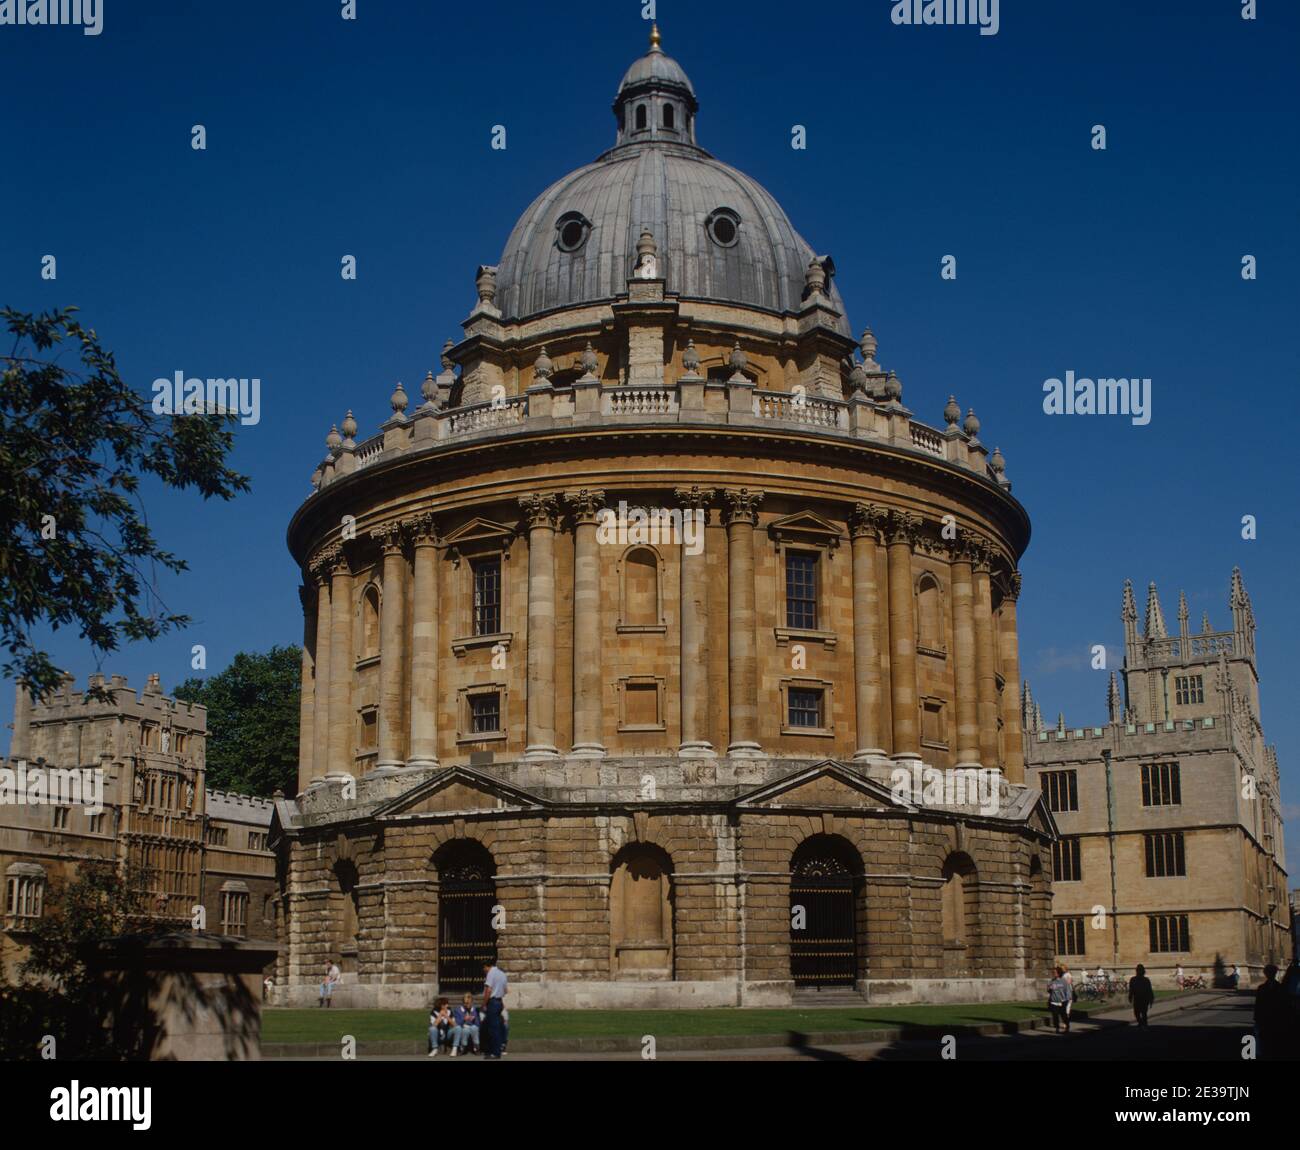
{"x":560,"y":534}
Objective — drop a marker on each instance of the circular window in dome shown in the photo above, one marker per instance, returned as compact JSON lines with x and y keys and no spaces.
{"x":571,"y":231}
{"x":723,"y":226}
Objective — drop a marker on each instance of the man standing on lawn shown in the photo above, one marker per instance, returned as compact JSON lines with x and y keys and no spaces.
{"x":494,"y":993}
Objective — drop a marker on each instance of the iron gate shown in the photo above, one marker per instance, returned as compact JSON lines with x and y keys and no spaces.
{"x":825,"y":951}
{"x":466,"y":939}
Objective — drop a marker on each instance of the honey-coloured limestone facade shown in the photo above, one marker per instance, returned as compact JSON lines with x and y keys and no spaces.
{"x":614,"y":644}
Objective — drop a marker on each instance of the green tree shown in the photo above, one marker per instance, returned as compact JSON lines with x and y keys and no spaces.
{"x":253,"y":721}
{"x":75,"y":442}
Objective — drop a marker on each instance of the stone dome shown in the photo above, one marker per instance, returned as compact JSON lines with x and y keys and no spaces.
{"x":721,"y":236}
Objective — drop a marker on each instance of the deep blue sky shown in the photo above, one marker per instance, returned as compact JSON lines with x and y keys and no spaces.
{"x":371,"y":137}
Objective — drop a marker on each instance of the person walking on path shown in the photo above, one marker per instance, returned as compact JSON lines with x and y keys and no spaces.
{"x":1271,"y":1016}
{"x":1058,"y":1001}
{"x":1141,"y":994}
{"x":494,"y":992}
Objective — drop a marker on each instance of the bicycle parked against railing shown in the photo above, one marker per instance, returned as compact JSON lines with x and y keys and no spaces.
{"x":1190,"y":981}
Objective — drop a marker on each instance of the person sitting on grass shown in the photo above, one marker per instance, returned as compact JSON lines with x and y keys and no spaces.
{"x":465,"y":1033}
{"x":440,"y":1024}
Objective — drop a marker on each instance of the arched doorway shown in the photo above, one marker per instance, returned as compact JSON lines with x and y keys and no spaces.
{"x":825,"y":880}
{"x":467,"y":892}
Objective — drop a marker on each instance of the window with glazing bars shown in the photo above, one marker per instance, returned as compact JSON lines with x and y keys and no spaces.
{"x":801,"y":590}
{"x":1168,"y":932}
{"x":1161,"y":784}
{"x":487,"y":597}
{"x":485,"y":712}
{"x":1165,"y":856}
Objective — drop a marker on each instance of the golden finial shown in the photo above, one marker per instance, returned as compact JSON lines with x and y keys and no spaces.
{"x":654,"y":36}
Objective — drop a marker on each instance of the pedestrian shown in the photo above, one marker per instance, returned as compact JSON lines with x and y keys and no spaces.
{"x":1271,"y":1016}
{"x":1178,"y":976}
{"x":494,"y":992}
{"x":1058,"y":999}
{"x":1069,"y":981}
{"x":1141,"y":994}
{"x":333,"y":976}
{"x":1234,"y":979}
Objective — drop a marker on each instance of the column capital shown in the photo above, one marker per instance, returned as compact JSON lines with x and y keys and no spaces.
{"x":584,"y":505}
{"x":741,"y":505}
{"x":695,"y":498}
{"x":319,"y":565}
{"x":390,"y":536}
{"x":902,"y":527}
{"x":1011,"y":587}
{"x":866,"y":519}
{"x":422,"y":530}
{"x":334,"y":560}
{"x":539,"y":510}
{"x":981,"y":555}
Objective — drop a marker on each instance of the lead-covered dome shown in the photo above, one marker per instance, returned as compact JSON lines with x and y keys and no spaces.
{"x":720,"y":234}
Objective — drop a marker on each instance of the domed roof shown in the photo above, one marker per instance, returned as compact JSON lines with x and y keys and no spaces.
{"x":720,"y":234}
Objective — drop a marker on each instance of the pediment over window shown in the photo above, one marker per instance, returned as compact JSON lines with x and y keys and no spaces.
{"x":806,"y":527}
{"x":825,"y":785}
{"x":457,"y":791}
{"x":477,"y":537}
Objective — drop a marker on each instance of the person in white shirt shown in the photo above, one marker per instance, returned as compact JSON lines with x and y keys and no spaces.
{"x":333,"y":976}
{"x":495,"y":985}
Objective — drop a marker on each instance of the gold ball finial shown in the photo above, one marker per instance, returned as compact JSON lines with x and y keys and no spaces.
{"x":655,"y":38}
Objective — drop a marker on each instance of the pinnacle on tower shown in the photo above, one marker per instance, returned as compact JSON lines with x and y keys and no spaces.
{"x":1182,"y":614}
{"x":1155,"y":620}
{"x":1114,"y":701}
{"x":1205,"y":623}
{"x":1027,"y":708}
{"x":1038,"y":717}
{"x":1060,"y":722}
{"x":1129,"y":612}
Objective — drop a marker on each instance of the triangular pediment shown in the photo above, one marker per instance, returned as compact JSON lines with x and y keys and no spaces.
{"x":479,"y":535}
{"x":827,"y":785}
{"x":805,"y":525}
{"x":457,"y":791}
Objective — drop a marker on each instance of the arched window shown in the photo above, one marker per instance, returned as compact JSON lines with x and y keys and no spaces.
{"x":929,"y":614}
{"x":960,"y":912}
{"x":641,"y":913}
{"x":349,"y":926}
{"x":640,"y":117}
{"x":669,"y":116}
{"x":370,"y":623}
{"x":642,"y":605}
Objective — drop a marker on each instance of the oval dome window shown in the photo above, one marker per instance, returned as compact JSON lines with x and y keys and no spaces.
{"x":723,"y":227}
{"x":572,"y":230}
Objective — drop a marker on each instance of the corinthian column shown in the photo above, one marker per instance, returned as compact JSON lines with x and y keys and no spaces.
{"x":985,"y":672}
{"x":864,"y":526}
{"x":307,"y":689}
{"x":586,"y":506}
{"x":539,"y":513}
{"x":392,"y":646}
{"x":342,"y":735}
{"x":1009,"y":650}
{"x":423,"y":749}
{"x":694,"y":622}
{"x":320,"y":750}
{"x":742,"y":666}
{"x":902,"y":531}
{"x":963,"y":655}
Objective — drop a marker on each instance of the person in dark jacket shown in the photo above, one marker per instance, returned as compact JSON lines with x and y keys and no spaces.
{"x":1059,"y":996}
{"x":1141,"y":994}
{"x":1272,"y":1016}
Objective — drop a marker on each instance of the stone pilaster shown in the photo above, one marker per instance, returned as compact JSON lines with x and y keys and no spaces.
{"x":320,"y":755}
{"x":587,"y":681}
{"x":341,"y":762}
{"x":423,"y":747}
{"x":963,"y":655}
{"x":307,"y":688}
{"x":741,"y":517}
{"x":392,"y":647}
{"x":1009,"y":652}
{"x":902,"y":531}
{"x":985,"y":660}
{"x":864,"y":525}
{"x":695,"y":627}
{"x":539,"y":515}
{"x":20,"y":746}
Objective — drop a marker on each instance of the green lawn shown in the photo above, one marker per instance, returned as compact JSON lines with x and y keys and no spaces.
{"x":317,"y":1025}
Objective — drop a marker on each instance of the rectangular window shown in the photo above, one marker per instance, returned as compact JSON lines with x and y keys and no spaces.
{"x":1189,"y":689}
{"x":1061,"y":790}
{"x":60,"y":818}
{"x":801,"y":590}
{"x":1066,"y":866}
{"x":485,"y":713}
{"x":1069,"y":936}
{"x":1165,"y":857}
{"x":1161,"y":785}
{"x":487,"y":596}
{"x":256,"y":841}
{"x":96,"y":823}
{"x":234,"y":913}
{"x":217,"y":836}
{"x":1168,"y":933}
{"x":805,"y":708}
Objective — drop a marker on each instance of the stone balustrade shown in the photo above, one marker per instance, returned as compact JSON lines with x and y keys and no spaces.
{"x":692,"y":401}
